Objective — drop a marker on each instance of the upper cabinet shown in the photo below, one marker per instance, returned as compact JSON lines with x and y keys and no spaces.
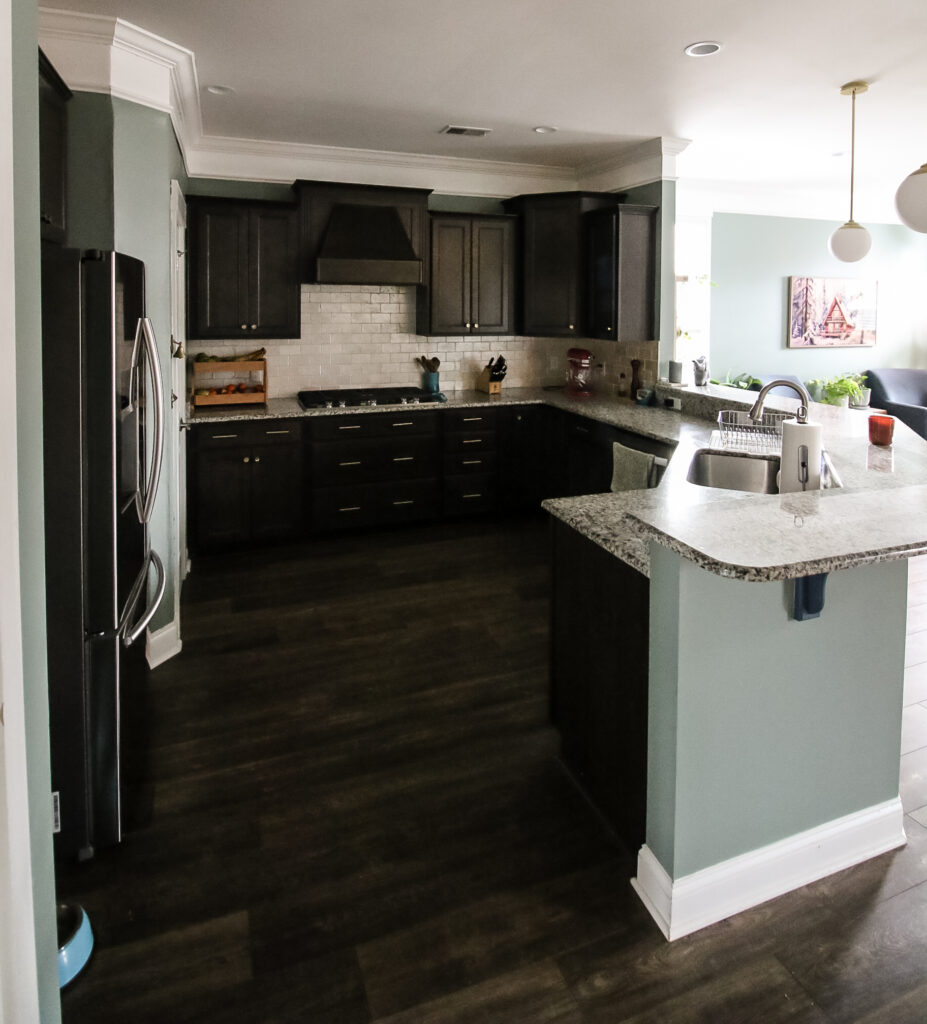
{"x":552,"y":260}
{"x":243,"y":279}
{"x":620,"y":273}
{"x":471,"y":280}
{"x":367,"y":253}
{"x":53,"y":132}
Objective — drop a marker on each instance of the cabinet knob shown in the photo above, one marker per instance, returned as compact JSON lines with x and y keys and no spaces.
{"x":476,"y":327}
{"x":244,"y":327}
{"x":246,"y":459}
{"x":254,"y":327}
{"x":468,"y":326}
{"x":257,"y":458}
{"x":608,"y":328}
{"x":572,"y":328}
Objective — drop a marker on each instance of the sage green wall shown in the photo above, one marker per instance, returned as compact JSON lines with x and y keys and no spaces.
{"x":752,"y":259}
{"x":31,"y":497}
{"x":768,"y":726}
{"x":90,"y":171}
{"x":145,"y":158}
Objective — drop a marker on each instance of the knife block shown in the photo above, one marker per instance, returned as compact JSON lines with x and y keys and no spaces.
{"x":491,"y":387}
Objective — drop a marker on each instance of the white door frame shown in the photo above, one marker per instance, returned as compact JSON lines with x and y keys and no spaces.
{"x":19,"y":993}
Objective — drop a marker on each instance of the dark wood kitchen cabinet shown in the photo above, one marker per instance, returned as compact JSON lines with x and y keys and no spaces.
{"x":243,"y":280}
{"x":472,"y":276}
{"x":552,"y":260}
{"x":528,"y":467}
{"x":600,"y":622}
{"x":621,"y":248}
{"x":245,"y":483}
{"x":374,"y":469}
{"x":53,"y":151}
{"x":470,"y":461}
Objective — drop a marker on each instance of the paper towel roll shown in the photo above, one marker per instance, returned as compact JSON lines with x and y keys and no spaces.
{"x":801,"y":447}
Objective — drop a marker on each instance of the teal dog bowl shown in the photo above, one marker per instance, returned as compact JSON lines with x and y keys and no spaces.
{"x":75,"y":942}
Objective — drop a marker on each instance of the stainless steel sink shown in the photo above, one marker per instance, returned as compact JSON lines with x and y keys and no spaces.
{"x":739,"y":471}
{"x":734,"y":471}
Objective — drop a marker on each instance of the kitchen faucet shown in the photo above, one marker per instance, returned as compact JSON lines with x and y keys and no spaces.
{"x":756,"y":413}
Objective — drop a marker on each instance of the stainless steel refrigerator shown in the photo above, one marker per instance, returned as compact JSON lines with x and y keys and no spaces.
{"x":103,"y":422}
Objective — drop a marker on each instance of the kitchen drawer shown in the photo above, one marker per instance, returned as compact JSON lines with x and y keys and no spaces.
{"x":240,"y":433}
{"x":456,"y":420}
{"x":354,"y":425}
{"x":471,"y":441}
{"x":469,"y":495}
{"x":342,"y":508}
{"x":469,"y":463}
{"x":368,"y":460}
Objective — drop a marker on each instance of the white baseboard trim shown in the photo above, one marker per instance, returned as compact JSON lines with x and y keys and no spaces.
{"x":163,"y":644}
{"x":686,"y":904}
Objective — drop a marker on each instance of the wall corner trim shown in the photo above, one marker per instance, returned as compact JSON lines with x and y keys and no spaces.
{"x":684,"y":905}
{"x":163,"y":644}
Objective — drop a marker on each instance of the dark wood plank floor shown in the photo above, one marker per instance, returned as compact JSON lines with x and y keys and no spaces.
{"x":359,"y":817}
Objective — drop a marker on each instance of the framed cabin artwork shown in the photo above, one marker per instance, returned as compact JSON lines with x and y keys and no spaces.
{"x":832,"y":312}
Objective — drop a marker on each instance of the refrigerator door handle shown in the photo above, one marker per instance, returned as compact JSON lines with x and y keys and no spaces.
{"x":145,"y":505}
{"x":130,"y":636}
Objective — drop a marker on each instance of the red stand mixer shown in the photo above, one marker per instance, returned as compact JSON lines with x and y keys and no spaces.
{"x":579,"y":376}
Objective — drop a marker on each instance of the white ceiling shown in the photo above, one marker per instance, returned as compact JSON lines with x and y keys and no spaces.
{"x":765,"y":116}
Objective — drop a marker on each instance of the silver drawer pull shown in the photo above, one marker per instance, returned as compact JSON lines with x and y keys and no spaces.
{"x":352,"y":426}
{"x":350,"y":508}
{"x":269,"y":432}
{"x":473,"y":419}
{"x":471,"y":496}
{"x":403,"y":458}
{"x":221,"y":437}
{"x":474,"y":440}
{"x":355,"y":462}
{"x":472,"y":462}
{"x":408,"y":501}
{"x":405,"y":423}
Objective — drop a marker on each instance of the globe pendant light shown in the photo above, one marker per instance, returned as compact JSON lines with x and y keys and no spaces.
{"x":911,"y":200}
{"x":852,"y":241}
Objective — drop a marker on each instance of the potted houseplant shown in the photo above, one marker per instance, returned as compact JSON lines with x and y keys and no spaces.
{"x":841,"y":389}
{"x":861,"y":401}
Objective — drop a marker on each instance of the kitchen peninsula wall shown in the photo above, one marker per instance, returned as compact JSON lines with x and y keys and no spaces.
{"x":364,"y":336}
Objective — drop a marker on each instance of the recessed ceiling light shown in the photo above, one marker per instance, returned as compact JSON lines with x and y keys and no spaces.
{"x":545,"y":129}
{"x":703,"y":49}
{"x":220,"y":90}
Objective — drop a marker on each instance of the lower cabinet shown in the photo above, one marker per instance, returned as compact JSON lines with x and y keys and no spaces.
{"x":600,"y":616}
{"x":245,"y":483}
{"x":374,"y":469}
{"x":470,"y":467}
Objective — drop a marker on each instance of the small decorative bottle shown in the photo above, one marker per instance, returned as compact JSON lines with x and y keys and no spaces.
{"x":635,"y":378}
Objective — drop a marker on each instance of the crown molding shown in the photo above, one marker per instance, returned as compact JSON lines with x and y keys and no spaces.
{"x":653,"y":160}
{"x":95,"y":53}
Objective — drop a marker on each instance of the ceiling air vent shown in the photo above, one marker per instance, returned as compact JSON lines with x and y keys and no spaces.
{"x":461,"y":129}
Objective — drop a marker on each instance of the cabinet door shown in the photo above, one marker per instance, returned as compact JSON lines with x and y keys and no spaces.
{"x":221,"y":497}
{"x":276,"y":492}
{"x":273,"y":285}
{"x":601,"y":279}
{"x":218,"y":299}
{"x":551,"y":269}
{"x":450,"y":275}
{"x":491,"y":276}
{"x":636,"y":273}
{"x":523,"y":457}
{"x":53,"y":130}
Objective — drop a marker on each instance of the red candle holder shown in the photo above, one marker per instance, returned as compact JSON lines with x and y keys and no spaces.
{"x":881,"y":429}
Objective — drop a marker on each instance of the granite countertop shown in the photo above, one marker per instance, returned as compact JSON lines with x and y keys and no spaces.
{"x":879,"y":514}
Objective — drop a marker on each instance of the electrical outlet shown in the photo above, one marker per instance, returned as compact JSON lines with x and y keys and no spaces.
{"x":672,"y":403}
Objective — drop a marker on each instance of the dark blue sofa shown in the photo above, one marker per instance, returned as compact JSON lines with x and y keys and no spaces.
{"x":903,"y":393}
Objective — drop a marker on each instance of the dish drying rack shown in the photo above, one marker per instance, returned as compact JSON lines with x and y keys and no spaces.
{"x":736,"y":431}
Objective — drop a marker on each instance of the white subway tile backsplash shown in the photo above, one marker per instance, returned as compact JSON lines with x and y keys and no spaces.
{"x":354,"y":335}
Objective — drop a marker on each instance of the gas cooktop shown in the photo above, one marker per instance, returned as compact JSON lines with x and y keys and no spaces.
{"x":351,"y":398}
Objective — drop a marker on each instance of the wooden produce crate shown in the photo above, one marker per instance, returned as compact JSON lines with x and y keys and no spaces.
{"x":237,"y":368}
